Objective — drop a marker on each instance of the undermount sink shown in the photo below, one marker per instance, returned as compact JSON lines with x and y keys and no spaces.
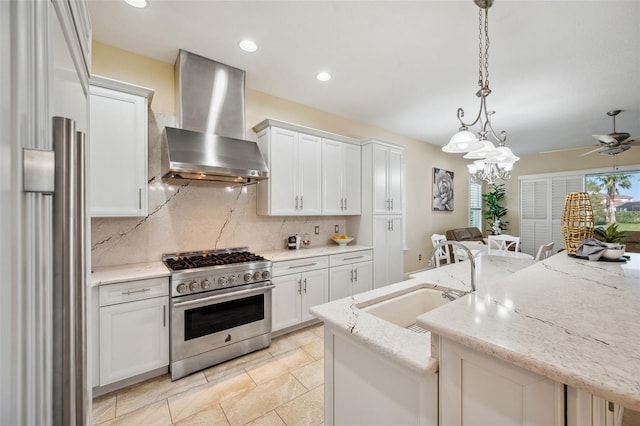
{"x":404,"y":307}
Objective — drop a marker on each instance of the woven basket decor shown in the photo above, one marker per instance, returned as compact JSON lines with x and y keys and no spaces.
{"x":577,"y":220}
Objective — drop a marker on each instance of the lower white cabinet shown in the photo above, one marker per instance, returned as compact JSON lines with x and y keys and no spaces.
{"x":299,"y":285}
{"x":477,"y":389}
{"x":350,"y":273}
{"x":388,"y":254}
{"x":134,"y":328}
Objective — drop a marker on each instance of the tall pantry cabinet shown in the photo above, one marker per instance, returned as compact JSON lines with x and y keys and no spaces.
{"x":381,"y":223}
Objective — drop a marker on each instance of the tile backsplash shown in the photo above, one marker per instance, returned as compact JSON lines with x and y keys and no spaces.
{"x":189,"y":215}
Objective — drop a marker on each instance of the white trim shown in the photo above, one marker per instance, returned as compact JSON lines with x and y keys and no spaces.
{"x":303,"y":129}
{"x":121,"y":86}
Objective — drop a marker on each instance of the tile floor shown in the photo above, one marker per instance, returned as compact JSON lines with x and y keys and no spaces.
{"x":280,"y":385}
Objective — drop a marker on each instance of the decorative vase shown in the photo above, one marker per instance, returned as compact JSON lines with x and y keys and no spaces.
{"x":577,"y":220}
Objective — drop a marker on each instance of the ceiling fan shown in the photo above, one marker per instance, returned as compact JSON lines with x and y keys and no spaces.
{"x":614,"y":143}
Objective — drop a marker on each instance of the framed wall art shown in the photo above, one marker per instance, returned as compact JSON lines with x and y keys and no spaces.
{"x":442,"y":190}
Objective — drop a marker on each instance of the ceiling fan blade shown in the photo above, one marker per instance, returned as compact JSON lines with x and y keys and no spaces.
{"x":605,"y":139}
{"x":633,"y":141}
{"x":592,"y":151}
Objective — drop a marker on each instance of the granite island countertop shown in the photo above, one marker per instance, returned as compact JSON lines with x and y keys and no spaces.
{"x":407,"y":348}
{"x":568,"y":319}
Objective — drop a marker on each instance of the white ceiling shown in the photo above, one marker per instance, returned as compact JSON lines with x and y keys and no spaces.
{"x":555,"y":67}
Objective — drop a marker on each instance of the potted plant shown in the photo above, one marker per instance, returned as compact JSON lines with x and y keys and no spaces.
{"x":612,"y":238}
{"x":495,"y":212}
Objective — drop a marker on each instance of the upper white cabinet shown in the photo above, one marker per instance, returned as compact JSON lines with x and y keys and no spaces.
{"x":387,"y":179}
{"x":118,"y":148}
{"x":294,"y":160}
{"x":311,"y":172}
{"x":340,"y":178}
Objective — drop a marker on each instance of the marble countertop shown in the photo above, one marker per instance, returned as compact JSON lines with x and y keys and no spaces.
{"x":571,"y":320}
{"x":407,"y":348}
{"x":280,"y":255}
{"x":130,"y":272}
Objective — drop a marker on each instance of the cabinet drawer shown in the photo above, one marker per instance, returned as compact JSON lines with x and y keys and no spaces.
{"x":133,"y":290}
{"x":350,"y":257}
{"x":287,"y":267}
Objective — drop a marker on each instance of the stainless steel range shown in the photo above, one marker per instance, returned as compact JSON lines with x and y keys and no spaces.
{"x":220,"y":307}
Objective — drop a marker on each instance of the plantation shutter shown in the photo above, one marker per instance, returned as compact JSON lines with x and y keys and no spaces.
{"x":475,"y":205}
{"x":534,"y":214}
{"x":541,"y":204}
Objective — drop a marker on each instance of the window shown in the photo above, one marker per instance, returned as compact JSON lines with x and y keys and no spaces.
{"x":475,"y":205}
{"x":615,"y":198}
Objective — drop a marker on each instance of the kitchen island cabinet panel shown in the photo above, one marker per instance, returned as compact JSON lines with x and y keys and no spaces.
{"x":476,"y":389}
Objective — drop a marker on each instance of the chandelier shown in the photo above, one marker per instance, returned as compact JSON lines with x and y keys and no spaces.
{"x":491,"y":162}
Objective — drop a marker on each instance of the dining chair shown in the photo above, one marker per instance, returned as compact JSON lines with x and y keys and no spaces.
{"x":544,"y":251}
{"x":443,"y":252}
{"x":499,"y":244}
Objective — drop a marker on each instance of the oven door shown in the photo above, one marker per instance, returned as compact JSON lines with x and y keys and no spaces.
{"x":207,"y":321}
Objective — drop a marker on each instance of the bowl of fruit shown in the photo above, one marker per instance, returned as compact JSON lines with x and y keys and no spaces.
{"x":342,"y":240}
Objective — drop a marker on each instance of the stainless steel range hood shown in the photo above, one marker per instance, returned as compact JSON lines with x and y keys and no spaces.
{"x":209,"y":143}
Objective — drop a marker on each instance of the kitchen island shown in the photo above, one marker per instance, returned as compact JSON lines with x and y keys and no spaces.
{"x":566,"y":319}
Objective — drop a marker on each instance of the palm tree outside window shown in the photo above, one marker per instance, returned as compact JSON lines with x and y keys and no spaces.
{"x":615,"y":198}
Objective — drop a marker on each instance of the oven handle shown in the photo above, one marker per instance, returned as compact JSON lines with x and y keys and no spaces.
{"x":224,"y":296}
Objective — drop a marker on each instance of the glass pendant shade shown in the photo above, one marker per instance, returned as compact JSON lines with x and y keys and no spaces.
{"x":486,"y":150}
{"x":502,"y":155}
{"x":463,"y":141}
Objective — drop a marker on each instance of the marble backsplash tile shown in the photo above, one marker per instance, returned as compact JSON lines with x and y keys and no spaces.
{"x":191,"y":215}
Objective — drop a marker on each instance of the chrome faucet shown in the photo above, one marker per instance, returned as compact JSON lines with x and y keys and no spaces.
{"x":469,"y":256}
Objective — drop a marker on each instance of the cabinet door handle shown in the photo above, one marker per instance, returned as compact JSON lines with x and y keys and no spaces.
{"x":305,"y":286}
{"x":299,"y":286}
{"x":391,"y":223}
{"x":345,"y":204}
{"x":352,"y":275}
{"x":296,"y":202}
{"x":341,"y":203}
{"x":302,"y":266}
{"x":355,"y":275}
{"x":139,"y":198}
{"x":141,"y":290}
{"x":164,"y":316}
{"x":302,"y":202}
{"x":392,"y":204}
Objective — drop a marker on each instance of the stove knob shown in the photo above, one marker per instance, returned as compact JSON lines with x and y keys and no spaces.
{"x":247,"y":277}
{"x":233,"y":279}
{"x":205,"y":284}
{"x":222,"y":280}
{"x":257,"y":275}
{"x":194,"y":286}
{"x":266,"y":274}
{"x":182,"y":287}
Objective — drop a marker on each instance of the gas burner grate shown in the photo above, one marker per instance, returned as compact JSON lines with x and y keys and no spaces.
{"x":203,"y":260}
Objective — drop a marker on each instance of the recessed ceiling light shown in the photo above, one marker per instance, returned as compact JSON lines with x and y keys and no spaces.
{"x":323,"y":76}
{"x":140,"y":4}
{"x":248,"y":45}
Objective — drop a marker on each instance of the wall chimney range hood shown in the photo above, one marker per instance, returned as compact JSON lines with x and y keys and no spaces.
{"x":209,"y":142}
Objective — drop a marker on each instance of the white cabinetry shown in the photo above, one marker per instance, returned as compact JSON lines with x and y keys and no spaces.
{"x":299,"y":285}
{"x":388,"y":252}
{"x":134,"y":328}
{"x":340,"y":178}
{"x":387,"y":178}
{"x":118,"y":148}
{"x":381,"y":223}
{"x":350,"y":273}
{"x":294,"y":185}
{"x":476,"y":389}
{"x":584,"y":408}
